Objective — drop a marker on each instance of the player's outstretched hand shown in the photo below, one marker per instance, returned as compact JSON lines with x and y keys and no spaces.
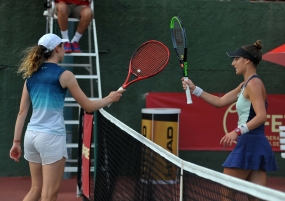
{"x":191,"y":85}
{"x":116,"y":95}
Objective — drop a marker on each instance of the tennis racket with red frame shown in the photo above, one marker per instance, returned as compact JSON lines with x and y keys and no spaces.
{"x":148,"y":60}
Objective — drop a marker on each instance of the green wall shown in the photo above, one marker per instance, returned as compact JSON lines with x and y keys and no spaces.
{"x":213,"y":27}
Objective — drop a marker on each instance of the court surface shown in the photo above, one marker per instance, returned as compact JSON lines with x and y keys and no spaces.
{"x":15,"y":188}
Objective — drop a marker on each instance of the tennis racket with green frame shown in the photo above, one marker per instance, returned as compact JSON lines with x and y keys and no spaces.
{"x":179,"y":41}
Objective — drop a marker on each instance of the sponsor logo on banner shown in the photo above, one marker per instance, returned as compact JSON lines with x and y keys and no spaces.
{"x":202,"y":126}
{"x":87,"y":135}
{"x":231,"y":112}
{"x":271,"y":126}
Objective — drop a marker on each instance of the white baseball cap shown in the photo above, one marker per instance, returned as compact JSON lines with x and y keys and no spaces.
{"x":50,"y":41}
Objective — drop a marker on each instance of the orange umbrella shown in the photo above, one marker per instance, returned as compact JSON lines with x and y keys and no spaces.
{"x":276,"y":55}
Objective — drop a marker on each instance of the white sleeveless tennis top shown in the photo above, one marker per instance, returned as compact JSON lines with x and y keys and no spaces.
{"x":244,"y":107}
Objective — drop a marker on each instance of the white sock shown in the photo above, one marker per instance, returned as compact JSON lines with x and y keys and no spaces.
{"x":64,"y":34}
{"x":76,"y":37}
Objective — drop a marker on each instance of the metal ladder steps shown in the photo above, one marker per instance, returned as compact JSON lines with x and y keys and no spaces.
{"x":75,"y":161}
{"x":73,"y":100}
{"x":71,"y":122}
{"x":86,"y":76}
{"x":82,"y":54}
{"x":68,"y":161}
{"x":74,"y":169}
{"x":75,"y":145}
{"x":75,"y":65}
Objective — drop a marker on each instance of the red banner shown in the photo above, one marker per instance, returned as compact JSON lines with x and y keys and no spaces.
{"x":87,"y":131}
{"x":202,"y":126}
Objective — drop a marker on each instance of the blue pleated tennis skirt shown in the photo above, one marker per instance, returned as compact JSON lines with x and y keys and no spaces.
{"x":252,"y":152}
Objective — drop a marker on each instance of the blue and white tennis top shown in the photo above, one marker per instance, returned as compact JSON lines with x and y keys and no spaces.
{"x":245,"y":109}
{"x":47,"y":96}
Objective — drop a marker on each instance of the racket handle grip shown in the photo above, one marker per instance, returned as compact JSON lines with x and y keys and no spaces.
{"x":188,"y":94}
{"x":117,"y":90}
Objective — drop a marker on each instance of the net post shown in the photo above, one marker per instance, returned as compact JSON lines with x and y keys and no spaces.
{"x":181,"y":181}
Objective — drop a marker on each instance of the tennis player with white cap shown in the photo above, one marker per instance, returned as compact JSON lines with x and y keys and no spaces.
{"x":45,"y":87}
{"x":50,"y":41}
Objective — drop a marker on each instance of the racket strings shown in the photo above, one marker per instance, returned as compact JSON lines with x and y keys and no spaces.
{"x":179,"y":38}
{"x":149,"y":59}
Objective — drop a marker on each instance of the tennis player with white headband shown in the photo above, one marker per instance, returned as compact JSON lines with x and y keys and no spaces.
{"x":45,"y":87}
{"x":252,"y":156}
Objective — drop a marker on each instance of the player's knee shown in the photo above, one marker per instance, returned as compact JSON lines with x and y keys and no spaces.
{"x":61,"y":7}
{"x":49,"y":196}
{"x":36,"y":191}
{"x":86,"y":13}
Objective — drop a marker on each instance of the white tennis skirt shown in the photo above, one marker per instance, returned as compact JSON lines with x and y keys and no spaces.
{"x":44,"y":148}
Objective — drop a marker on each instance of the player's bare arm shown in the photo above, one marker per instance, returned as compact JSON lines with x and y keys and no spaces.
{"x":69,"y":81}
{"x":24,"y":108}
{"x":216,"y":101}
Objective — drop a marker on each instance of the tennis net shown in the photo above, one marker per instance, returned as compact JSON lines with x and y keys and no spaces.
{"x":129,"y":167}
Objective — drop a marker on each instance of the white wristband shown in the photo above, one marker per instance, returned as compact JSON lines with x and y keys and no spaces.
{"x":198,"y":91}
{"x":244,"y":129}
